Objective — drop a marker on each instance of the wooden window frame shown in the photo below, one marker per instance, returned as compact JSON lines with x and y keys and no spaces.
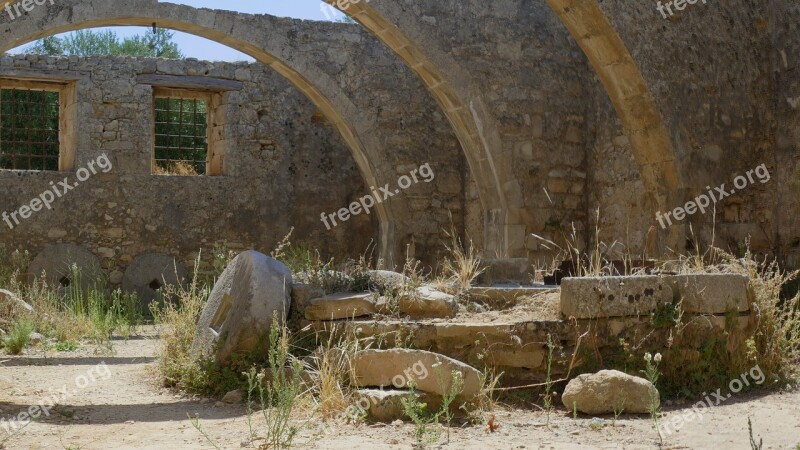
{"x":214,"y":137}
{"x":67,"y":114}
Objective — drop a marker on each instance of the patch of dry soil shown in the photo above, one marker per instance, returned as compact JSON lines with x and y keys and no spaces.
{"x":129,"y":410}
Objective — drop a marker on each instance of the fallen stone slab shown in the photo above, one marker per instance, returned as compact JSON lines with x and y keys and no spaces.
{"x":608,"y":391}
{"x":716,"y":293}
{"x":426,"y":303}
{"x":386,"y":405}
{"x":239,"y":313}
{"x":396,"y":367}
{"x":341,"y":306}
{"x":594,"y":297}
{"x":149,"y":274}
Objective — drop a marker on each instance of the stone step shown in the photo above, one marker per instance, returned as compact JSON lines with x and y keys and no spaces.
{"x":341,"y":306}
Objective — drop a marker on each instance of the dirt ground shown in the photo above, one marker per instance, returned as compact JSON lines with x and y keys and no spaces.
{"x":120,"y":405}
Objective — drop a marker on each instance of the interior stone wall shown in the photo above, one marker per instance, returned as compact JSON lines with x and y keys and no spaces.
{"x":282,"y":169}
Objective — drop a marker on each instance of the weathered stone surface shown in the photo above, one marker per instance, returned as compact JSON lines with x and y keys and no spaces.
{"x":302,"y":294}
{"x":341,"y":306}
{"x":385,"y":405}
{"x":150,"y":273}
{"x":388,"y":281}
{"x":250,"y":292}
{"x":607,"y":391}
{"x":504,"y":296}
{"x":53,"y":266}
{"x":587,"y":298}
{"x":532,"y":356}
{"x":35,"y":338}
{"x":233,"y":397}
{"x":426,"y":302}
{"x":711,"y":293}
{"x":397,"y":367}
{"x":511,"y":270}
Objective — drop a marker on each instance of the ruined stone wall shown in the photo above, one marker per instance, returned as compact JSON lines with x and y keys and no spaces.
{"x":283,"y":169}
{"x":783,"y":20}
{"x":723,"y":78}
{"x":709,"y":68}
{"x":533,"y":78}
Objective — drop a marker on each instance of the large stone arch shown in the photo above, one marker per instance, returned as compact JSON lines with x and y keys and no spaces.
{"x":462,"y":102}
{"x":265,"y":38}
{"x":629,"y":93}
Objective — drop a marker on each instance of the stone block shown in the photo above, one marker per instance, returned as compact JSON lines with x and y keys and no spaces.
{"x":397,"y":367}
{"x":712,"y":293}
{"x":593,"y":297}
{"x":340,"y":306}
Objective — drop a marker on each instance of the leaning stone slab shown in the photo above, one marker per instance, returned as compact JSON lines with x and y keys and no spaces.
{"x":240,"y":309}
{"x":340,"y":306}
{"x":593,"y":297}
{"x":150,"y":273}
{"x":426,"y":302}
{"x":608,"y":391}
{"x":396,"y":367}
{"x":11,"y":299}
{"x":53,"y":265}
{"x":716,"y":293}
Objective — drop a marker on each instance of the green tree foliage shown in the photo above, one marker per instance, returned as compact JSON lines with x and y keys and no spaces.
{"x":154,"y":44}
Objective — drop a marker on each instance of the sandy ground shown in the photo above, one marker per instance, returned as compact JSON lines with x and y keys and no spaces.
{"x":125,"y":408}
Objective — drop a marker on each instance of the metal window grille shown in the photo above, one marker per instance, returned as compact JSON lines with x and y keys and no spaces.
{"x":29,"y":121}
{"x":181,"y":135}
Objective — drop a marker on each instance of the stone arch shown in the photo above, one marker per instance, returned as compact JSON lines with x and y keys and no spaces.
{"x":472,"y":123}
{"x":461,"y":101}
{"x":265,"y":38}
{"x":629,"y":93}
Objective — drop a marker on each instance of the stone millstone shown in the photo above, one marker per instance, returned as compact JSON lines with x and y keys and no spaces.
{"x":607,"y":391}
{"x":340,"y":306}
{"x":396,"y":367}
{"x":427,"y":303}
{"x":53,"y":265}
{"x":240,"y":309}
{"x":149,"y":273}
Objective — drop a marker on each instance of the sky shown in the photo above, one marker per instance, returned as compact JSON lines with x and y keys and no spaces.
{"x":200,"y":48}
